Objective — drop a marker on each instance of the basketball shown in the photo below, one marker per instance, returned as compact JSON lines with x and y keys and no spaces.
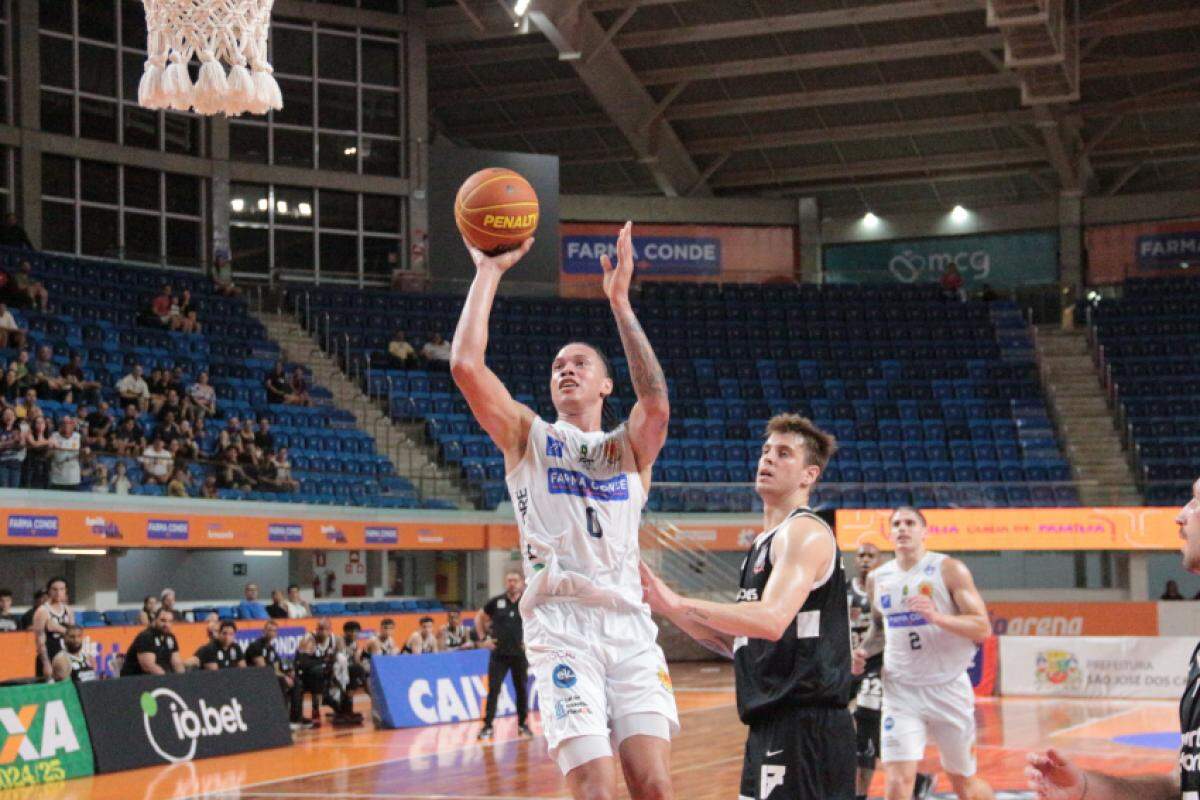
{"x":496,"y":210}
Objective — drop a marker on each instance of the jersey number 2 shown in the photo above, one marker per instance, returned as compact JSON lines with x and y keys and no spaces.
{"x":914,"y":640}
{"x":593,"y":525}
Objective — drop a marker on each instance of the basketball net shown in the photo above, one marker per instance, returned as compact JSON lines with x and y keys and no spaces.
{"x":214,"y":31}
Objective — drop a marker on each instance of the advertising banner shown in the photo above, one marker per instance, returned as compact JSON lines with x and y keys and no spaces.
{"x":108,"y":527}
{"x":739,"y":254}
{"x":43,"y":737}
{"x":410,"y":692}
{"x":1074,"y":619}
{"x":1002,"y":260}
{"x":1133,"y":249}
{"x":168,"y":719}
{"x":1093,"y":666}
{"x":958,"y":529}
{"x":983,"y":668}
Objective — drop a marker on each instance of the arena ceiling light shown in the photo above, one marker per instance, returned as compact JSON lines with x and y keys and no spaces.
{"x":521,"y":7}
{"x":869,"y":220}
{"x":79,"y":551}
{"x":265,"y":553}
{"x":237,"y":204}
{"x":959,"y":214}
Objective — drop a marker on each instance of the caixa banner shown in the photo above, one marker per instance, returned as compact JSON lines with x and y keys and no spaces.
{"x":43,"y":738}
{"x":168,"y":719}
{"x":412,"y":691}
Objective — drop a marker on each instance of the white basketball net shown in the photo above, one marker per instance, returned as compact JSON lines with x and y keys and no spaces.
{"x":215,"y":31}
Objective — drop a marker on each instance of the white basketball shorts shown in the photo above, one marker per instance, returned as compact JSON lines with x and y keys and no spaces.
{"x":944,"y":712}
{"x":593,"y":667}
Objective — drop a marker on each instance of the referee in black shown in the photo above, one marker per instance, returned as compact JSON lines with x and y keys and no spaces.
{"x":498,"y":625}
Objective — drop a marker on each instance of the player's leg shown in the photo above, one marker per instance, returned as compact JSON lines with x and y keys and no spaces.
{"x":645,"y":756}
{"x":594,"y":778}
{"x":901,"y":776}
{"x":866,"y":732}
{"x":952,"y":728}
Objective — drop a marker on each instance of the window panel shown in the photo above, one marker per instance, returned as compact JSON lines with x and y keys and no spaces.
{"x":248,"y":143}
{"x":381,"y":112}
{"x":58,"y":227}
{"x":55,"y":15}
{"x":97,"y":70}
{"x":380,"y":255}
{"x":3,"y":50}
{"x":294,"y":148}
{"x":381,"y":157}
{"x":182,"y":134}
{"x":380,"y":63}
{"x":339,"y":210}
{"x":141,"y":127}
{"x":97,"y":20}
{"x":183,"y":242}
{"x":337,"y":107}
{"x":249,"y":202}
{"x":142,"y":188}
{"x":291,"y":51}
{"x":297,"y":103}
{"x":293,"y":206}
{"x":294,"y":250}
{"x":382,"y":5}
{"x":142,"y":237}
{"x":131,"y":78}
{"x":98,"y":231}
{"x":58,"y":113}
{"x":97,"y":119}
{"x":339,"y":253}
{"x":133,"y":25}
{"x":338,"y":152}
{"x":381,"y":213}
{"x":58,"y":176}
{"x":183,"y":194}
{"x":98,"y":182}
{"x":249,"y":249}
{"x":337,"y":57}
{"x":57,"y":59}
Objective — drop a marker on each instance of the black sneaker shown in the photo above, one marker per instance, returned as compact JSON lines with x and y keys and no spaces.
{"x":523,"y":729}
{"x":923,"y":786}
{"x":485,"y":732}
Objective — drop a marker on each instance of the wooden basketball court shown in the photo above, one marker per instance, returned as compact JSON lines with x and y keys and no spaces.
{"x":446,"y":763}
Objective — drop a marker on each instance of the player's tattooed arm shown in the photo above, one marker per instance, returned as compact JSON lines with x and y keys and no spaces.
{"x":663,"y":600}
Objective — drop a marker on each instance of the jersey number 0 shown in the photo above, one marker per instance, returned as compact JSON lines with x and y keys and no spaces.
{"x":593,"y":525}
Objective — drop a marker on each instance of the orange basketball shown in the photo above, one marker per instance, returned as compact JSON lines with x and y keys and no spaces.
{"x":496,"y":210}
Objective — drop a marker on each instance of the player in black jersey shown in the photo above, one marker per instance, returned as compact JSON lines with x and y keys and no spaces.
{"x":223,"y":652}
{"x":787,"y":632}
{"x":1052,"y":777}
{"x":72,"y":663}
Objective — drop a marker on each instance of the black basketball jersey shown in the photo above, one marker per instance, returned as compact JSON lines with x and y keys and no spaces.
{"x":54,"y":641}
{"x":81,"y":671}
{"x":1189,"y":728}
{"x":810,"y":664}
{"x":860,"y":623}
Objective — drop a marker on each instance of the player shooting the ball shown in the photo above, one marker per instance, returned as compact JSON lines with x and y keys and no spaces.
{"x":578,"y":491}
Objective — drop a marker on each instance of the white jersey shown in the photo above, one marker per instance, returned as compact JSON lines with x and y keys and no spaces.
{"x":578,"y":500}
{"x":915,"y":651}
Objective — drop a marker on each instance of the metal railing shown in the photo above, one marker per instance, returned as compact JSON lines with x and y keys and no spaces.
{"x":684,"y":566}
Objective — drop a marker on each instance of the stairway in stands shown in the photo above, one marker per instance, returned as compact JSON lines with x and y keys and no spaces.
{"x":411,"y":459}
{"x":1084,"y":419}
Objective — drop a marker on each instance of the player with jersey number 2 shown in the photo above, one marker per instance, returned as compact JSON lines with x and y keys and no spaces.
{"x":578,"y":491}
{"x":926,"y":618}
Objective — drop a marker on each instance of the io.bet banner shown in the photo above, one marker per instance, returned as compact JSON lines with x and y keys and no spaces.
{"x":43,"y":737}
{"x":960,"y":529}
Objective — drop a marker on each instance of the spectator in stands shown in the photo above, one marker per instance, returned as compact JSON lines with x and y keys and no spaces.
{"x":154,"y":651}
{"x":183,"y":313}
{"x":1171,"y":592}
{"x":133,"y":389}
{"x":11,"y":332}
{"x":230,"y":436}
{"x":157,"y":463}
{"x":36,"y":471}
{"x":224,"y":652}
{"x":100,"y":480}
{"x":8,"y":620}
{"x":179,"y":483}
{"x":222,"y":275}
{"x":186,"y":445}
{"x":77,"y":383}
{"x":203,"y":397}
{"x":246,"y":435}
{"x":150,"y":606}
{"x":160,"y":309}
{"x":12,"y":234}
{"x":209,"y":490}
{"x":27,"y":407}
{"x":436,"y":353}
{"x":275,"y":473}
{"x":46,"y":378}
{"x":120,"y":482}
{"x":250,"y":607}
{"x":952,"y":283}
{"x":100,"y":427}
{"x":278,"y":608}
{"x":263,"y":436}
{"x":401,"y":354}
{"x":12,"y":449}
{"x":21,"y":367}
{"x":129,"y":439}
{"x":10,"y":382}
{"x":314,"y":658}
{"x":299,"y":384}
{"x":230,"y":474}
{"x":297,"y":606}
{"x":454,"y":635}
{"x":262,"y":653}
{"x":423,"y":640}
{"x":277,"y":386}
{"x":39,"y":599}
{"x":25,"y":291}
{"x":72,"y":663}
{"x":166,"y":599}
{"x":168,"y":429}
{"x":65,"y":468}
{"x":88,"y":464}
{"x":160,"y":384}
{"x":173,"y":404}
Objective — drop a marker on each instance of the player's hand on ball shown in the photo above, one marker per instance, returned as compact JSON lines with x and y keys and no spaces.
{"x":858,"y":662}
{"x":659,"y":596}
{"x":1052,"y":777}
{"x":502,"y":262}
{"x":617,"y":277}
{"x":924,"y":606}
